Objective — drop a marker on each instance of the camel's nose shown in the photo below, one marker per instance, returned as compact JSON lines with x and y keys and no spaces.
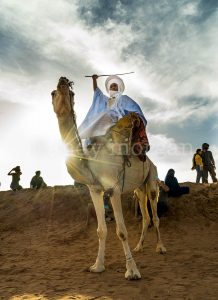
{"x":63,"y":85}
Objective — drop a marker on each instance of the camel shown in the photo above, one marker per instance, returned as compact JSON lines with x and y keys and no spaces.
{"x":102,"y":171}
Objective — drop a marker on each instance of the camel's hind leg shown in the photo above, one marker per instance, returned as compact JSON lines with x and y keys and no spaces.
{"x":132,"y":272}
{"x":141,"y":194}
{"x":153,"y":200}
{"x":153,"y":193}
{"x":97,"y":199}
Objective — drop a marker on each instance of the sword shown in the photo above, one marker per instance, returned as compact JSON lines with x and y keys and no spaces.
{"x":111,"y":75}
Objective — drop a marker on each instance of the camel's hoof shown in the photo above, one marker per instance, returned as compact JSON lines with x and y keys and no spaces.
{"x":138,"y":248}
{"x":161,"y":249}
{"x":96,"y":269}
{"x":130,"y":275}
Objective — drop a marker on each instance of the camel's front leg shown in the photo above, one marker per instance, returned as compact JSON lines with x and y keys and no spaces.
{"x":132,"y":272}
{"x":97,"y":199}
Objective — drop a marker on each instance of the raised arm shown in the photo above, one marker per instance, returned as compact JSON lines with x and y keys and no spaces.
{"x":94,"y":78}
{"x":9,"y":173}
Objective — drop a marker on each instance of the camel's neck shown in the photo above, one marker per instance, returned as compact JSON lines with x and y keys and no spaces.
{"x":76,"y":162}
{"x":77,"y":165}
{"x":69,"y":134}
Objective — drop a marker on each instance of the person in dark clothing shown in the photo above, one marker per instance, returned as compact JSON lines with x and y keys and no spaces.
{"x":162,"y":204}
{"x":208,"y":164}
{"x":15,"y":173}
{"x":37,"y":181}
{"x":175,"y":190}
{"x":107,"y":206}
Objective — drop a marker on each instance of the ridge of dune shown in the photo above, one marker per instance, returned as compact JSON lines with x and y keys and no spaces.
{"x":67,"y":203}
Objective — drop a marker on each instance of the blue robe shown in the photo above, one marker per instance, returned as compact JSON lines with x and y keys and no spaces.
{"x":100,"y":117}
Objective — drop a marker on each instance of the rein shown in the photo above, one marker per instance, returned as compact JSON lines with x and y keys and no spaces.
{"x":74,"y":119}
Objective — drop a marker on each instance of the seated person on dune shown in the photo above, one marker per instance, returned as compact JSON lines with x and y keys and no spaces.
{"x":37,"y":181}
{"x":175,"y":190}
{"x":107,"y":111}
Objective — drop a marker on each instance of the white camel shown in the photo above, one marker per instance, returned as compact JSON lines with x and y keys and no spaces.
{"x":101,"y":171}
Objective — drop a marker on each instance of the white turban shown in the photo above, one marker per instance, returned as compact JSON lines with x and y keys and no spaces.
{"x":115,"y":79}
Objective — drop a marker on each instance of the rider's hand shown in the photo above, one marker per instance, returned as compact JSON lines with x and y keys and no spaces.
{"x":95,"y":76}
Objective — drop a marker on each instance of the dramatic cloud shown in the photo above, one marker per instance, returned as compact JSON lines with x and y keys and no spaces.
{"x":206,"y":9}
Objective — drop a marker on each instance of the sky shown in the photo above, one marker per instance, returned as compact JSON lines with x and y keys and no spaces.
{"x":171,"y":46}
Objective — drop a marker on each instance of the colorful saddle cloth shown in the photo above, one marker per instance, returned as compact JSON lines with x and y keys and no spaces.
{"x":140,"y":141}
{"x":130,"y":133}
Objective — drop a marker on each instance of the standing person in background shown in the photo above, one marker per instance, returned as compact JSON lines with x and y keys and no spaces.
{"x":198,"y":165}
{"x":175,"y":190}
{"x":15,"y":173}
{"x":209,"y":164}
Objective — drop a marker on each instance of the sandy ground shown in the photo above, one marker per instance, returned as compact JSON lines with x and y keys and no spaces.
{"x":46,"y":249}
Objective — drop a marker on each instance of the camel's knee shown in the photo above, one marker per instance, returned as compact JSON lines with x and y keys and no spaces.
{"x":153,"y":194}
{"x":147,"y":219}
{"x":102,"y":232}
{"x":121,"y":233}
{"x":156,"y":221}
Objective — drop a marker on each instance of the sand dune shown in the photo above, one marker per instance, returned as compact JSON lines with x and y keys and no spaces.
{"x":46,"y":248}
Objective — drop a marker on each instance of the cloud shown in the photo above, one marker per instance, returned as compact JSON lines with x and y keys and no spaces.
{"x":33,"y":47}
{"x":206,"y":9}
{"x":18,"y":53}
{"x":10,"y":111}
{"x":167,"y":153}
{"x":166,"y":43}
{"x":192,"y":132}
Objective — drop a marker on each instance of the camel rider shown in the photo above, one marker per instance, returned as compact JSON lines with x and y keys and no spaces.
{"x":106,"y":111}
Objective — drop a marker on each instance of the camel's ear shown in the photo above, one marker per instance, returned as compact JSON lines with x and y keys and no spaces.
{"x":53,"y":93}
{"x":72,"y":98}
{"x":72,"y":93}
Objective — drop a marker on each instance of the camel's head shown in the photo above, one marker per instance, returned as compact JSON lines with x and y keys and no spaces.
{"x":64,"y":85}
{"x":63,"y":98}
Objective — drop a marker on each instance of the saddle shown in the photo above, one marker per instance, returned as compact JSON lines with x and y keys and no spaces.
{"x":129,"y":135}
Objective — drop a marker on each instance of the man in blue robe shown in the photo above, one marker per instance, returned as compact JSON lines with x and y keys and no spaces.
{"x":106,"y":111}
